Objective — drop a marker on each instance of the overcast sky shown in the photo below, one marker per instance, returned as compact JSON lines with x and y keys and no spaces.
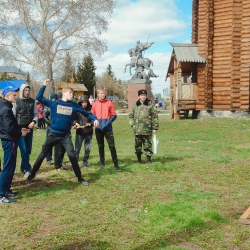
{"x":160,"y":21}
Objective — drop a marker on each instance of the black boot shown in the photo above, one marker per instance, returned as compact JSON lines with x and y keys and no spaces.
{"x":117,"y":168}
{"x":138,"y":158}
{"x":102,"y":164}
{"x":149,"y":159}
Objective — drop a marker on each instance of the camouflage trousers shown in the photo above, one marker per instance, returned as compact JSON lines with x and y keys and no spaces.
{"x":144,"y":141}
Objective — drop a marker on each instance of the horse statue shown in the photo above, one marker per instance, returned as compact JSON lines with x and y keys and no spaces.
{"x":141,"y":62}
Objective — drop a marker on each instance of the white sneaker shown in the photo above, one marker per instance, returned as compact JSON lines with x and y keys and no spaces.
{"x":27,"y":174}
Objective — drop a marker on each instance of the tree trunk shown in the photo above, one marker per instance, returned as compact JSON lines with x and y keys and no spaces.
{"x":51,"y":86}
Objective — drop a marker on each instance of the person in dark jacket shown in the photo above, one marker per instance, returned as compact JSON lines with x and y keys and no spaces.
{"x":10,"y":133}
{"x":26,"y":113}
{"x":63,"y":113}
{"x":84,"y":131}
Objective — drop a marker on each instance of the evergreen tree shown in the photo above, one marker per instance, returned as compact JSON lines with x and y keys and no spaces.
{"x":68,"y":69}
{"x":86,"y":73}
{"x":110,"y":72}
{"x":28,"y":78}
{"x":5,"y":76}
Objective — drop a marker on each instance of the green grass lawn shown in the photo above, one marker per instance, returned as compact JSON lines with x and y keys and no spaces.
{"x":192,"y":195}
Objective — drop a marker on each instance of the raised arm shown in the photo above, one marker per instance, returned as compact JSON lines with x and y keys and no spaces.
{"x":40,"y":97}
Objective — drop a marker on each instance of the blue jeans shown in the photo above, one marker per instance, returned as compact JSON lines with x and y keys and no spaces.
{"x":9,"y":165}
{"x":25,"y":145}
{"x":87,"y":146}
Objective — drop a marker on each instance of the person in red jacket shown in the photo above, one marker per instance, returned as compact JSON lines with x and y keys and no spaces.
{"x":105,"y":112}
{"x":40,"y":124}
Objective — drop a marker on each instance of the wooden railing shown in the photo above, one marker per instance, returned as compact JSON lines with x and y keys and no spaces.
{"x":189,"y":91}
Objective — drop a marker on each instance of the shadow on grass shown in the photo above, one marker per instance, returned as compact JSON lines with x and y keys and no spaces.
{"x":107,"y":170}
{"x":86,"y":245}
{"x":45,"y":187}
{"x":159,"y":163}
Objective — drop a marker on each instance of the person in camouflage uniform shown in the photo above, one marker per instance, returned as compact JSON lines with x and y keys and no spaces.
{"x":144,"y":121}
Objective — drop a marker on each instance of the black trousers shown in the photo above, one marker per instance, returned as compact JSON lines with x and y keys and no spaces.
{"x":66,"y":142}
{"x":108,"y":134}
{"x":59,"y":152}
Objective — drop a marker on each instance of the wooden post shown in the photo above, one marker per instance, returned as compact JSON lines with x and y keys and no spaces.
{"x":243,"y":218}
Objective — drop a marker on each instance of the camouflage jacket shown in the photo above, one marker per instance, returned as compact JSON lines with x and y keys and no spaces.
{"x":143,"y":118}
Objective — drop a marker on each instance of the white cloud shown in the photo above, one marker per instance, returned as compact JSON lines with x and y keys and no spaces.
{"x":132,"y":21}
{"x":136,"y":20}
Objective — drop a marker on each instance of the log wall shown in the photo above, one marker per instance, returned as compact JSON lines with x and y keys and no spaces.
{"x":195,"y":21}
{"x":222,"y":50}
{"x":245,"y":56}
{"x":222,"y":30}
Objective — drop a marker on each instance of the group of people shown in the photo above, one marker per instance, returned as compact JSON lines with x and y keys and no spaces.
{"x":18,"y":116}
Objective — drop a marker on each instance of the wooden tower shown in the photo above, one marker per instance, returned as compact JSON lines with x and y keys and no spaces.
{"x":221,"y":28}
{"x":221,"y":33}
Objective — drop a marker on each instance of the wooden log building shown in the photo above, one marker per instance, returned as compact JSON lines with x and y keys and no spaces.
{"x":219,"y":73}
{"x":78,"y":88}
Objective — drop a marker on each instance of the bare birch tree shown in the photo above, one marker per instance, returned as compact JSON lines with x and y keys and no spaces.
{"x":40,"y":32}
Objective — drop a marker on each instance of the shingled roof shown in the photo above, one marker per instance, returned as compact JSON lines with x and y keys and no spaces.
{"x":74,"y":86}
{"x":186,"y":52}
{"x":11,"y":69}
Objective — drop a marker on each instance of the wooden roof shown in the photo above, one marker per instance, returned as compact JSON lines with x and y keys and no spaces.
{"x":186,"y":54}
{"x":74,"y":86}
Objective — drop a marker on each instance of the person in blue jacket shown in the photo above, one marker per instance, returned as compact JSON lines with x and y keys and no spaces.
{"x":63,"y":112}
{"x":10,"y":133}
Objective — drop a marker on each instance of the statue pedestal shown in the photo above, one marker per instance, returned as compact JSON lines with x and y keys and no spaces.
{"x":133,"y":87}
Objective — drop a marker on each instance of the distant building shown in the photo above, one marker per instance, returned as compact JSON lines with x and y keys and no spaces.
{"x":78,"y":88}
{"x":113,"y":98}
{"x":14,"y":72}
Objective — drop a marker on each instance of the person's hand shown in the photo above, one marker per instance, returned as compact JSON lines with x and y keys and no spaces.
{"x":31,"y":125}
{"x":96,"y":123}
{"x":25,"y":131}
{"x":76,"y":126}
{"x":46,"y":82}
{"x":88,"y":125}
{"x":154,"y":131}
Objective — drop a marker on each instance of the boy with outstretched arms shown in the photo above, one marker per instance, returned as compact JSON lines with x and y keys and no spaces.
{"x":63,"y":112}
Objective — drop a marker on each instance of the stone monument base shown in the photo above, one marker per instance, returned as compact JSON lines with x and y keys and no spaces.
{"x":133,"y":89}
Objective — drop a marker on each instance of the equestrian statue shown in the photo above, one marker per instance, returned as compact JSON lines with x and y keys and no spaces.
{"x":139,"y":62}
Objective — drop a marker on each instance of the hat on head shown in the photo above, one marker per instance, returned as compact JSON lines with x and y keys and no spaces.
{"x":83,"y":98}
{"x":8,"y":89}
{"x":53,"y":96}
{"x":142,"y":92}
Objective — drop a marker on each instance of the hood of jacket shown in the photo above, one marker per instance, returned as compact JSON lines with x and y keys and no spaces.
{"x":22,"y":87}
{"x":85,"y":98}
{"x":104,"y":100}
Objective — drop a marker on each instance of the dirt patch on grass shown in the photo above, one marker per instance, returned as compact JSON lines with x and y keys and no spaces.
{"x":190,"y":246}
